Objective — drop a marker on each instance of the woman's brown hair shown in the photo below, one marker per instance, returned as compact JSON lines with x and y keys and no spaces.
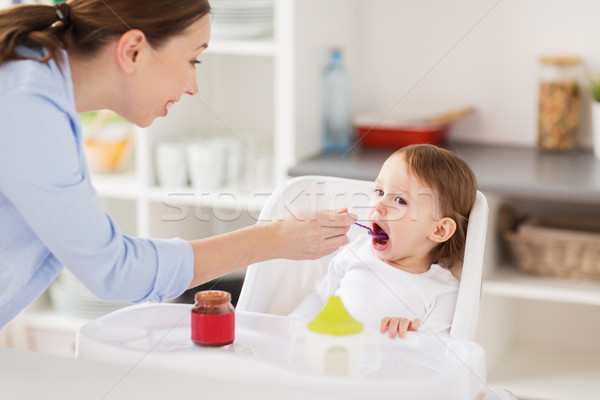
{"x":91,"y":24}
{"x":456,"y":186}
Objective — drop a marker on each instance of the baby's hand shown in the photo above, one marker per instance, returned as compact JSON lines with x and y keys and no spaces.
{"x":399,"y":326}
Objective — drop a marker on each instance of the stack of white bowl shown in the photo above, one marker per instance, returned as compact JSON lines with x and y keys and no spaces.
{"x":241,"y":19}
{"x":71,"y":297}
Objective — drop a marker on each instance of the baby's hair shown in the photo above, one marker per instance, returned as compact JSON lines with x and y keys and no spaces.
{"x":456,"y":186}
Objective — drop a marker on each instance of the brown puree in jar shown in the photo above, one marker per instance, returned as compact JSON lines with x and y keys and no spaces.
{"x":212,"y":302}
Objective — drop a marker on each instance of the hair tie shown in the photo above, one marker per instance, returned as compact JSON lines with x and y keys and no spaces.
{"x":63,"y":12}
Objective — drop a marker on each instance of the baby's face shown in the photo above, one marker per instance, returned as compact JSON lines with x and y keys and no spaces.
{"x":407,"y":211}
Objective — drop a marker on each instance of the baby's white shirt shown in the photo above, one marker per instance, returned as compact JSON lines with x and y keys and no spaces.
{"x":372,"y":289}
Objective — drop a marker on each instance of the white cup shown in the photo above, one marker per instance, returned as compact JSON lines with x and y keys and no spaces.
{"x":336,"y":355}
{"x":171,"y":169}
{"x":258,"y":171}
{"x":206,"y":163}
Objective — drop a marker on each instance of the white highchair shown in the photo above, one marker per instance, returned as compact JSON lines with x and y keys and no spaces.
{"x":277,"y":286}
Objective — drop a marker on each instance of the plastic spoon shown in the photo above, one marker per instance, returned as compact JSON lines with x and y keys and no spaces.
{"x":371,"y":232}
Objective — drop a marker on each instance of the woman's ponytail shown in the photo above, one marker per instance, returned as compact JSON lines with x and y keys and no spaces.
{"x":33,"y":25}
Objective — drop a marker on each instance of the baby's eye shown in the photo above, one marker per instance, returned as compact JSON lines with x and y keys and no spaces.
{"x":400,"y":201}
{"x":196,"y":62}
{"x":379,"y":192}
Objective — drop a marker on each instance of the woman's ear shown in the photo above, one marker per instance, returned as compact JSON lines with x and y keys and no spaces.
{"x":444,"y":230}
{"x":129,"y":47}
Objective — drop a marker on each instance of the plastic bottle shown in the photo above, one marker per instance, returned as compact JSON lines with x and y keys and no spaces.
{"x":337,"y":126}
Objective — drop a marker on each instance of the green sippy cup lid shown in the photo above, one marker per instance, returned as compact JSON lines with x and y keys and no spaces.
{"x":334,"y":319}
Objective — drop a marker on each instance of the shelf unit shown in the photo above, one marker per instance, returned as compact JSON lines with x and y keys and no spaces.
{"x":156,"y":205}
{"x":264,"y":92}
{"x":539,"y":333}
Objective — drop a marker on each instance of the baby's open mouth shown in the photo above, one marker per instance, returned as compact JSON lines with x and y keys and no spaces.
{"x":383,"y":239}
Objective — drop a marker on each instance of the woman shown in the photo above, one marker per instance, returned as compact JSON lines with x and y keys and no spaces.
{"x":137,"y":58}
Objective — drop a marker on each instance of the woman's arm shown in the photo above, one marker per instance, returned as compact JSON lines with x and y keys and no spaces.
{"x":304,"y":235}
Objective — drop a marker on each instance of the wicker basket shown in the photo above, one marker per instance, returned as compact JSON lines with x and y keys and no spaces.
{"x":544,"y":245}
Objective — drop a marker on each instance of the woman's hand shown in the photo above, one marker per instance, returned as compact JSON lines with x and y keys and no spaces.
{"x":302,"y":235}
{"x":398,"y":326}
{"x":310,"y":235}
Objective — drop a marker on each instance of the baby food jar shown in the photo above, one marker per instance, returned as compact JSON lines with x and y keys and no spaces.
{"x":213,"y":318}
{"x":559,"y":102}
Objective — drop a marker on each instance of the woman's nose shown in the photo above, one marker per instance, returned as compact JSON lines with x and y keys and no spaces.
{"x":192,"y":86}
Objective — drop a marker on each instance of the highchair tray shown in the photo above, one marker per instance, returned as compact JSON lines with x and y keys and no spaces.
{"x":421,"y":366}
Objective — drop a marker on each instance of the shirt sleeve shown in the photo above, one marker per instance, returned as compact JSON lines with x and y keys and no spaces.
{"x":42,"y":175}
{"x":438,"y":318}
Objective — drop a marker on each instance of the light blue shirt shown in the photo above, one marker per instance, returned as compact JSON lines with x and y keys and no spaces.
{"x":49,"y":212}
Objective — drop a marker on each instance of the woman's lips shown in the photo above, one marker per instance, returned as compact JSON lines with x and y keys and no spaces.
{"x":168,"y":107}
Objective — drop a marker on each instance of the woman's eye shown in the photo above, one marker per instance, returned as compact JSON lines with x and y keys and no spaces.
{"x":400,"y":201}
{"x":196,"y":62}
{"x":379,"y":192}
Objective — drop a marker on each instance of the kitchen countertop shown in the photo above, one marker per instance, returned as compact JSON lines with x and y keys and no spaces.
{"x":507,"y":170}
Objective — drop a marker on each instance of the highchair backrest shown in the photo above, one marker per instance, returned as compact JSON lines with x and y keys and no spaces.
{"x":278,"y":286}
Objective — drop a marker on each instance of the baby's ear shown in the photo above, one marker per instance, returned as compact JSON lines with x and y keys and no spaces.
{"x":444,"y":230}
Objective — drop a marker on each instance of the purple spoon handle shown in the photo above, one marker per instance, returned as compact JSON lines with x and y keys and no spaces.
{"x":371,"y":231}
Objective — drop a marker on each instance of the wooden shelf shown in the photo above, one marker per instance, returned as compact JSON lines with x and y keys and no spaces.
{"x":548,"y":373}
{"x":510,"y":283}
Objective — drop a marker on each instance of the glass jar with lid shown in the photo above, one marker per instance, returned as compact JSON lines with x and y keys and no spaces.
{"x":559,"y":102}
{"x":213,"y":318}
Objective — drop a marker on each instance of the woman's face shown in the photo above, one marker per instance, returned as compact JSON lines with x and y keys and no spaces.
{"x":166,"y":73}
{"x":407,"y":211}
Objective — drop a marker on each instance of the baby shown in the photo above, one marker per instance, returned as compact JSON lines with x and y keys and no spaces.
{"x":421,"y":201}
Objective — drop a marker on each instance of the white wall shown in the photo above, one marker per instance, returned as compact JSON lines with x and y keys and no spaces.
{"x":420,"y":57}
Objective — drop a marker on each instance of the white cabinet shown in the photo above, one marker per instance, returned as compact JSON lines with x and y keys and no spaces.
{"x":540,"y":334}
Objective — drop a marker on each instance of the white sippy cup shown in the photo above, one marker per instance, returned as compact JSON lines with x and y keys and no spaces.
{"x":335,"y":342}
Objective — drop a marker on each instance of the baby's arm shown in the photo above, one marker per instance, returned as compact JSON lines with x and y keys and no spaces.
{"x":398,"y":325}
